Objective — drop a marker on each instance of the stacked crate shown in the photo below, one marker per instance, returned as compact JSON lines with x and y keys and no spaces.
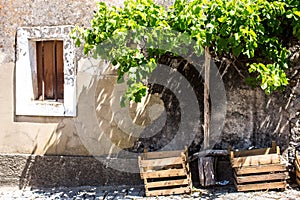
{"x":258,"y":169}
{"x":165,"y":172}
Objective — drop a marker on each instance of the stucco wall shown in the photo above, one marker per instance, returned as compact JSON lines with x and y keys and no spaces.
{"x":40,"y":135}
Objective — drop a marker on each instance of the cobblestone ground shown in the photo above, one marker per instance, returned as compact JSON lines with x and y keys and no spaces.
{"x":111,"y":193}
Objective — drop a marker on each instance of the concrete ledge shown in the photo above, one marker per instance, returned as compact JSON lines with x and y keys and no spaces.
{"x":25,"y":170}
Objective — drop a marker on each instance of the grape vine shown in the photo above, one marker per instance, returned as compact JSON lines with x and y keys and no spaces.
{"x":257,"y":31}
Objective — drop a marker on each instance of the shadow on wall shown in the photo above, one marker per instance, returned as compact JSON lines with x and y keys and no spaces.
{"x":72,"y":171}
{"x":253,"y":118}
{"x":59,"y":166}
{"x":102,"y":128}
{"x":271,"y":120}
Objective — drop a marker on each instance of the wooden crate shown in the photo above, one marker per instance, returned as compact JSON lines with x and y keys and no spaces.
{"x":297,"y":167}
{"x":258,"y":169}
{"x":165,"y":172}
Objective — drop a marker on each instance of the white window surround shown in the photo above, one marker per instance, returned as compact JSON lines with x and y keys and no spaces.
{"x":26,"y":72}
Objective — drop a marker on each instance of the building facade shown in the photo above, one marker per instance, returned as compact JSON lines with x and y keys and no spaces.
{"x":67,"y":129}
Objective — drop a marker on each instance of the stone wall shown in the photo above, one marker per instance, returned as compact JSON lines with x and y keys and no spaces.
{"x":253,"y":118}
{"x":36,"y":171}
{"x":294,"y":102}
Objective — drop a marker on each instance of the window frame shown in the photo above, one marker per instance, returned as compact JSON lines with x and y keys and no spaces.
{"x":26,"y":72}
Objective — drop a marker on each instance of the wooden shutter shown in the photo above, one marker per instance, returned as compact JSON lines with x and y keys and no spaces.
{"x":50,"y":70}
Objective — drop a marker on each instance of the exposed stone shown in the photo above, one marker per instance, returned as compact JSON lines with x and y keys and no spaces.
{"x":54,"y":171}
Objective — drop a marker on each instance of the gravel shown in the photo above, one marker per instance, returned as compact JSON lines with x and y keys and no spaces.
{"x":135,"y":193}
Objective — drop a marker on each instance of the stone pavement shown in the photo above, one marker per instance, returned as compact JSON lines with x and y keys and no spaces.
{"x":136,"y":193}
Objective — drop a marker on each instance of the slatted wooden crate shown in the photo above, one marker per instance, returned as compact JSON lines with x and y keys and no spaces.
{"x":258,"y":169}
{"x":297,"y":166}
{"x":165,"y":172}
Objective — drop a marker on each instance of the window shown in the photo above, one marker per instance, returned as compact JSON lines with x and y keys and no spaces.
{"x":45,"y":72}
{"x":50,"y":70}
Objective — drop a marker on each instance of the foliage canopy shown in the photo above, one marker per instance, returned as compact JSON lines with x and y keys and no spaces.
{"x":256,"y":31}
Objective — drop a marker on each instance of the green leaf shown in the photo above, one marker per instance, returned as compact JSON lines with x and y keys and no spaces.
{"x":230,"y":28}
{"x":237,"y":50}
{"x":78,"y":42}
{"x":222,"y":19}
{"x":296,"y":12}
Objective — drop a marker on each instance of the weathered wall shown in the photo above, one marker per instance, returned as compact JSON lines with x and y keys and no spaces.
{"x":24,"y":170}
{"x":294,"y":102}
{"x":253,"y":119}
{"x":40,"y":135}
